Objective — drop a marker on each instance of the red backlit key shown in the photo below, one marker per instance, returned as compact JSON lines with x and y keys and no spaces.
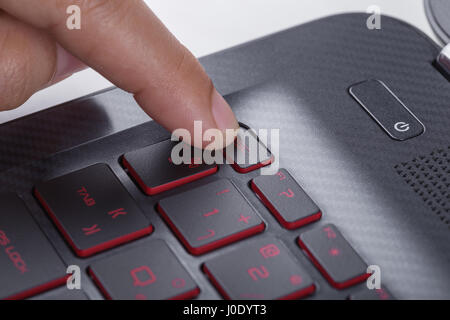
{"x":153,"y":168}
{"x":149,"y":271}
{"x":28,"y":263}
{"x":372,"y":294}
{"x":339,"y":263}
{"x":210,"y":216}
{"x":247,"y":153}
{"x":262,"y":269}
{"x":92,"y":210}
{"x":287,"y":201}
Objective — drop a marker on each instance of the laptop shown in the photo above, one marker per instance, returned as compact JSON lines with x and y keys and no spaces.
{"x":358,"y":207}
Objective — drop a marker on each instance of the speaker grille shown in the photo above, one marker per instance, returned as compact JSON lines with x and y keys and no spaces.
{"x":429,"y":177}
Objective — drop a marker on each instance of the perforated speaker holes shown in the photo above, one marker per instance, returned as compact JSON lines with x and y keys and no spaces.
{"x":429,"y":177}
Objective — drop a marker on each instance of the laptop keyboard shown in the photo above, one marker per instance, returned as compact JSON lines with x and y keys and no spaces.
{"x":94,"y":212}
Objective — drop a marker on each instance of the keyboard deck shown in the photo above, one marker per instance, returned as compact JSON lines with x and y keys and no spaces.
{"x":211,"y":231}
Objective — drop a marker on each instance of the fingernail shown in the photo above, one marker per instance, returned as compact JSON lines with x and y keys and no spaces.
{"x":222,"y":113}
{"x":66,"y":64}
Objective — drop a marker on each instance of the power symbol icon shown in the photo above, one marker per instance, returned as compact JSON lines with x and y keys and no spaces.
{"x":401,"y":126}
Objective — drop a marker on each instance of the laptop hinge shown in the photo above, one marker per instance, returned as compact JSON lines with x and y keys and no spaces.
{"x":443,"y":60}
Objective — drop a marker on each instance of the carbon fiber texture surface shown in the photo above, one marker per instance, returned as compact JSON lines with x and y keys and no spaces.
{"x":298,"y":81}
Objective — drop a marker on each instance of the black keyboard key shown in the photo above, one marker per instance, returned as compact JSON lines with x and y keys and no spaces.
{"x":262,"y":269}
{"x":92,"y":210}
{"x":339,"y":263}
{"x":62,"y":293}
{"x":287,"y":201}
{"x":149,"y":271}
{"x":154,"y":171}
{"x":247,"y":153}
{"x":210,"y":216}
{"x":373,"y":294}
{"x":29,"y":264}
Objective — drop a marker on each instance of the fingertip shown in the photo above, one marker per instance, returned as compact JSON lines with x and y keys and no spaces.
{"x":225,"y":121}
{"x":222,"y":113}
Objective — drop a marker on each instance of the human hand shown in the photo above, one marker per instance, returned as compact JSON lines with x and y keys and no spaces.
{"x":121,"y":39}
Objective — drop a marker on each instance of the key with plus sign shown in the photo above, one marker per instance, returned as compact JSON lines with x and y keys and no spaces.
{"x":206,"y":218}
{"x":244,"y":218}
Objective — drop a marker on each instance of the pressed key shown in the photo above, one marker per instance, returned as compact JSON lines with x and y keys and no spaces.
{"x":92,"y":210}
{"x":335,"y":258}
{"x":261,"y":269}
{"x":247,"y":153}
{"x":287,"y":201}
{"x":155,"y":172}
{"x":149,"y":271}
{"x":29,"y":264}
{"x":372,"y":294}
{"x":210,"y":216}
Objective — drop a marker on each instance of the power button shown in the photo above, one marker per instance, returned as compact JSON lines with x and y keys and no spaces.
{"x":401,"y":126}
{"x":387,"y":110}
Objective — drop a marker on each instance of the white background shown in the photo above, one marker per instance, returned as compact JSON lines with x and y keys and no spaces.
{"x":207,"y":26}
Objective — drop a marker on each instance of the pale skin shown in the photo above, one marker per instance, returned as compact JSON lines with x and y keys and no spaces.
{"x":121,"y":39}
